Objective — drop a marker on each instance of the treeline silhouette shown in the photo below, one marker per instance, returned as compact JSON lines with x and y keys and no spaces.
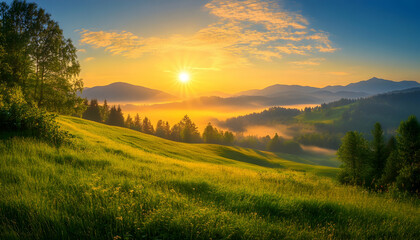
{"x":185,"y":130}
{"x":392,"y":165}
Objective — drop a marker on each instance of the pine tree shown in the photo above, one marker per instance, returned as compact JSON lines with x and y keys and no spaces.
{"x":167,"y":128}
{"x":129,"y":122}
{"x":92,"y":112}
{"x":104,"y":111}
{"x":393,"y":163}
{"x":354,"y":153}
{"x":116,"y":117}
{"x":137,"y":123}
{"x":147,"y":126}
{"x":378,"y":150}
{"x":161,"y":129}
{"x":176,"y":132}
{"x":274,"y":144}
{"x":408,"y":139}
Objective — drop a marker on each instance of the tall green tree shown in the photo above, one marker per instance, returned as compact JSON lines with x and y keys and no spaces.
{"x":147,"y":126}
{"x":17,"y":23}
{"x":354,"y":153}
{"x":162,"y":129}
{"x":228,"y":138}
{"x":189,"y":132}
{"x":137,"y":123}
{"x":211,"y":135}
{"x":378,"y":150}
{"x":116,"y":117}
{"x":104,"y":111}
{"x":93,"y":111}
{"x":38,"y":58}
{"x":176,"y":132}
{"x":129,"y":123}
{"x":408,"y":139}
{"x":273,"y":144}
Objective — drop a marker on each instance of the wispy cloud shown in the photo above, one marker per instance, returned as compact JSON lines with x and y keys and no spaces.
{"x":245,"y":31}
{"x":88,"y":59}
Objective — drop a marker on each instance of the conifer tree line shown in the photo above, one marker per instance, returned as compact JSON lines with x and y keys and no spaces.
{"x":383,"y":165}
{"x":185,"y":130}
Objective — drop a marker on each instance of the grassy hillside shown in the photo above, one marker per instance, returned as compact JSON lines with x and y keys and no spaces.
{"x":115,"y":183}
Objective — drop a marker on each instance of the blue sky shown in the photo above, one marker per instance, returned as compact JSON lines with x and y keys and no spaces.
{"x":359,"y":39}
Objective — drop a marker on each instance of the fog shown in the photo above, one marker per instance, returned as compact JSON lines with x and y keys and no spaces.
{"x":201,"y":117}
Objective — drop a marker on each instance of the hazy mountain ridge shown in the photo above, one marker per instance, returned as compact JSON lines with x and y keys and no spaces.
{"x":374,"y":86}
{"x":367,"y":87}
{"x":274,"y":95}
{"x":340,"y":116}
{"x":125,"y":92}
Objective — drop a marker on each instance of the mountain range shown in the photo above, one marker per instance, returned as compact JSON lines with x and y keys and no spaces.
{"x":256,"y":98}
{"x":125,"y":92}
{"x":353,"y":90}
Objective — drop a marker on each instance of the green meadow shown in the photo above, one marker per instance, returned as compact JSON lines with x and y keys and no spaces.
{"x":116,"y":183}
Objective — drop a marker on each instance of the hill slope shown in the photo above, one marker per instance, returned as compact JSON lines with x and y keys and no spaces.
{"x":125,"y":92}
{"x":118,"y":183}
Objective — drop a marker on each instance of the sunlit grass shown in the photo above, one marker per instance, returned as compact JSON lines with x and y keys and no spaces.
{"x":114,"y":182}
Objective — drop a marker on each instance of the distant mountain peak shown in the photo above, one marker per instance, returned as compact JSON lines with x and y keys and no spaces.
{"x":126,"y":92}
{"x":374,"y":85}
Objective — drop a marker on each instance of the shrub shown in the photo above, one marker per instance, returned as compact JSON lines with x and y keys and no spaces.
{"x":20,"y":118}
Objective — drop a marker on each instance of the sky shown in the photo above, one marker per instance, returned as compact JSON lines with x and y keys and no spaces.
{"x":232,"y":45}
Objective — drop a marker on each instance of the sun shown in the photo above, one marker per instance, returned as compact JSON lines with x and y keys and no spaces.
{"x":184,"y":77}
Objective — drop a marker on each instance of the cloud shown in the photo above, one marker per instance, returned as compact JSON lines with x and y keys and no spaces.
{"x":88,"y":59}
{"x":81,"y":50}
{"x":309,"y":62}
{"x":245,"y":31}
{"x":292,"y":49}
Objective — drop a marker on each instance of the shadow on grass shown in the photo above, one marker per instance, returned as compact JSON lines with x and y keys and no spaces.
{"x":234,"y":154}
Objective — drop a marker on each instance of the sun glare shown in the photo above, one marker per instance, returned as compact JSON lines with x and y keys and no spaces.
{"x":184,"y":77}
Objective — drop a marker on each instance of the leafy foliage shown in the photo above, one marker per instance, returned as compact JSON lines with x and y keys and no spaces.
{"x":17,"y":117}
{"x":35,"y":55}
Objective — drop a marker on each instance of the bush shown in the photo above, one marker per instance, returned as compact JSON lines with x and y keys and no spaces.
{"x":409,"y":179}
{"x":20,"y":118}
